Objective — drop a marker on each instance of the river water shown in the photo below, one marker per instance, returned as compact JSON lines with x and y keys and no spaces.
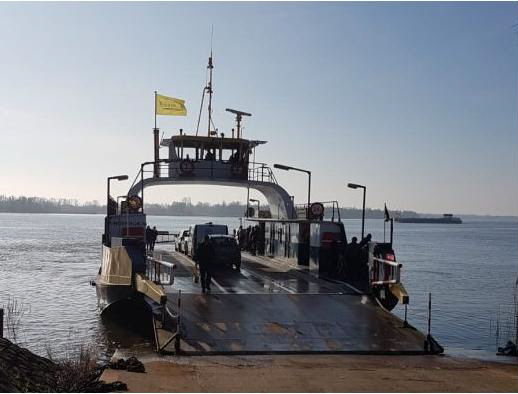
{"x":47,"y":261}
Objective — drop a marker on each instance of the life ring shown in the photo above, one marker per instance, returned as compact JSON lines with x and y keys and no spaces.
{"x":316,"y":209}
{"x":186,"y":167}
{"x":134,"y":204}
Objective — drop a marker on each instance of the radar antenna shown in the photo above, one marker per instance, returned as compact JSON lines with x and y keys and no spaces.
{"x":239,"y":115}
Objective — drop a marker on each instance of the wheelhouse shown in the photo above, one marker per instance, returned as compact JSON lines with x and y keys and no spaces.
{"x":214,"y":157}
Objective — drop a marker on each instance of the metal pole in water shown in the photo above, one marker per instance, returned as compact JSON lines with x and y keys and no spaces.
{"x":1,"y":323}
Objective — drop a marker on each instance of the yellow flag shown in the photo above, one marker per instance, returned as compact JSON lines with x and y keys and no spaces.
{"x":169,"y":106}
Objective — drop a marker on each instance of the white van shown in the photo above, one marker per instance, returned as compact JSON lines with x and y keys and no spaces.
{"x":199,"y":232}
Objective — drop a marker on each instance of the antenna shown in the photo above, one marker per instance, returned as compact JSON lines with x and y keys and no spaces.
{"x":209,"y":85}
{"x":208,"y":89}
{"x":239,"y":115}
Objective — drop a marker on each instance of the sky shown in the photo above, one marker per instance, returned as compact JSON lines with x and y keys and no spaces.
{"x":417,"y":101}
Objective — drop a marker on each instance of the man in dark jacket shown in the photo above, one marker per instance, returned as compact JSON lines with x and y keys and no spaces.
{"x":204,"y":255}
{"x":148,"y":238}
{"x":154,"y":235}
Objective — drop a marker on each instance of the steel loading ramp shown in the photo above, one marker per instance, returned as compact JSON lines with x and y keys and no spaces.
{"x":289,"y":323}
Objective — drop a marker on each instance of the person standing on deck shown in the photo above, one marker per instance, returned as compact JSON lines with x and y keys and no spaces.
{"x":352,"y":260}
{"x":148,"y":238}
{"x":204,"y":263}
{"x":241,"y":237}
{"x":365,"y":241}
{"x":154,"y":235}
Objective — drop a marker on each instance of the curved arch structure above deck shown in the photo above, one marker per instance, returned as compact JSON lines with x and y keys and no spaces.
{"x":281,"y":205}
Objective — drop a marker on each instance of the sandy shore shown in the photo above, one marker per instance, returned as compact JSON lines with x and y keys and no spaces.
{"x":318,"y":373}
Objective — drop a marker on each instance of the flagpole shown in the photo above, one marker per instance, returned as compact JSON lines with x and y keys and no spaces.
{"x":156,"y":166}
{"x":384,"y":221}
{"x":155,"y":109}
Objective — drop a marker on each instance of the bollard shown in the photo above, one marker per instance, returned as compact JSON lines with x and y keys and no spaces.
{"x":1,"y":323}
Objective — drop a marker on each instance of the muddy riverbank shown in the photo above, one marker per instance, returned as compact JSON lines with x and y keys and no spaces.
{"x":318,"y":373}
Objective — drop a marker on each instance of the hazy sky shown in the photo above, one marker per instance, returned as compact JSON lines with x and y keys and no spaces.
{"x":416,"y":101}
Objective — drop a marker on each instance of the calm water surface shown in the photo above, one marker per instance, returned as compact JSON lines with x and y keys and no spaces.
{"x":47,"y":261}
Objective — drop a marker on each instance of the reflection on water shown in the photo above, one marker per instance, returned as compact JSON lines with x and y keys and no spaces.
{"x":47,"y":261}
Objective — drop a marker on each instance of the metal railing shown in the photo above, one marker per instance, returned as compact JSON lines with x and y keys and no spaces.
{"x":302,"y":210}
{"x":254,"y":172}
{"x":159,"y":271}
{"x":225,"y":169}
{"x":260,"y":172}
{"x":165,"y":237}
{"x":175,"y":319}
{"x":384,"y":272}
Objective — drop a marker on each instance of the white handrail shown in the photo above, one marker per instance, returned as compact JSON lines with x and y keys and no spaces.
{"x":163,"y":276}
{"x":384,"y":282}
{"x":161,"y":262}
{"x":392,"y":263}
{"x":382,"y":268}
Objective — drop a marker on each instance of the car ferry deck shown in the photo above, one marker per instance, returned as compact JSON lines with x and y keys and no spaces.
{"x":272,"y":306}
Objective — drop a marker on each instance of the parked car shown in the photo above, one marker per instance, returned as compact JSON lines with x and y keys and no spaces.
{"x":226,"y":251}
{"x":198,"y":233}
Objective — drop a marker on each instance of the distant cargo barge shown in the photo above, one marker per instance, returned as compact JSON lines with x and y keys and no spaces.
{"x":447,"y":218}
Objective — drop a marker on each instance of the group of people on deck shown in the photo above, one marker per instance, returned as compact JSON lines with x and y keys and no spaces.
{"x":350,"y":263}
{"x":251,"y":239}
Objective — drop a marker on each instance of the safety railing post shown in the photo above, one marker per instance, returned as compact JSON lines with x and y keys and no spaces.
{"x":178,"y":322}
{"x":429,"y":312}
{"x":428,"y":340}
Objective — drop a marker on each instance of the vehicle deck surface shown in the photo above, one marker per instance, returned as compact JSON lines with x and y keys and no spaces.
{"x":272,"y":306}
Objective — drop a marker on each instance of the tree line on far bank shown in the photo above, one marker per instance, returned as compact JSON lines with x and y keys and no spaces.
{"x":12,"y":204}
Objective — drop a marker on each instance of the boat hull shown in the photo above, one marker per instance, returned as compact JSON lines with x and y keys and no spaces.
{"x":110,"y":296}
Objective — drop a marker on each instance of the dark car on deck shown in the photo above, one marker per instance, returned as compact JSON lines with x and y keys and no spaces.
{"x":226,"y":251}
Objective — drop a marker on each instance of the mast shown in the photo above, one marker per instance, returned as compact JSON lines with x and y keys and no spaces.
{"x":209,"y":91}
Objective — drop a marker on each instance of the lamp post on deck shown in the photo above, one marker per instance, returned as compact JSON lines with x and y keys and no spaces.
{"x":355,"y":186}
{"x":257,"y":201}
{"x":288,"y":168}
{"x":117,"y":177}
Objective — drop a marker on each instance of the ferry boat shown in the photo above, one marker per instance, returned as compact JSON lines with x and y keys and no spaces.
{"x":310,"y":237}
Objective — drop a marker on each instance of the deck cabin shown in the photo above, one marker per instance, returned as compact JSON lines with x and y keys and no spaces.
{"x":210,"y":158}
{"x":306,"y":240}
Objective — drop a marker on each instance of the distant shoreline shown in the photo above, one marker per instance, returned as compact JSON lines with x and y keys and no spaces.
{"x":22,"y":204}
{"x":463,"y":216}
